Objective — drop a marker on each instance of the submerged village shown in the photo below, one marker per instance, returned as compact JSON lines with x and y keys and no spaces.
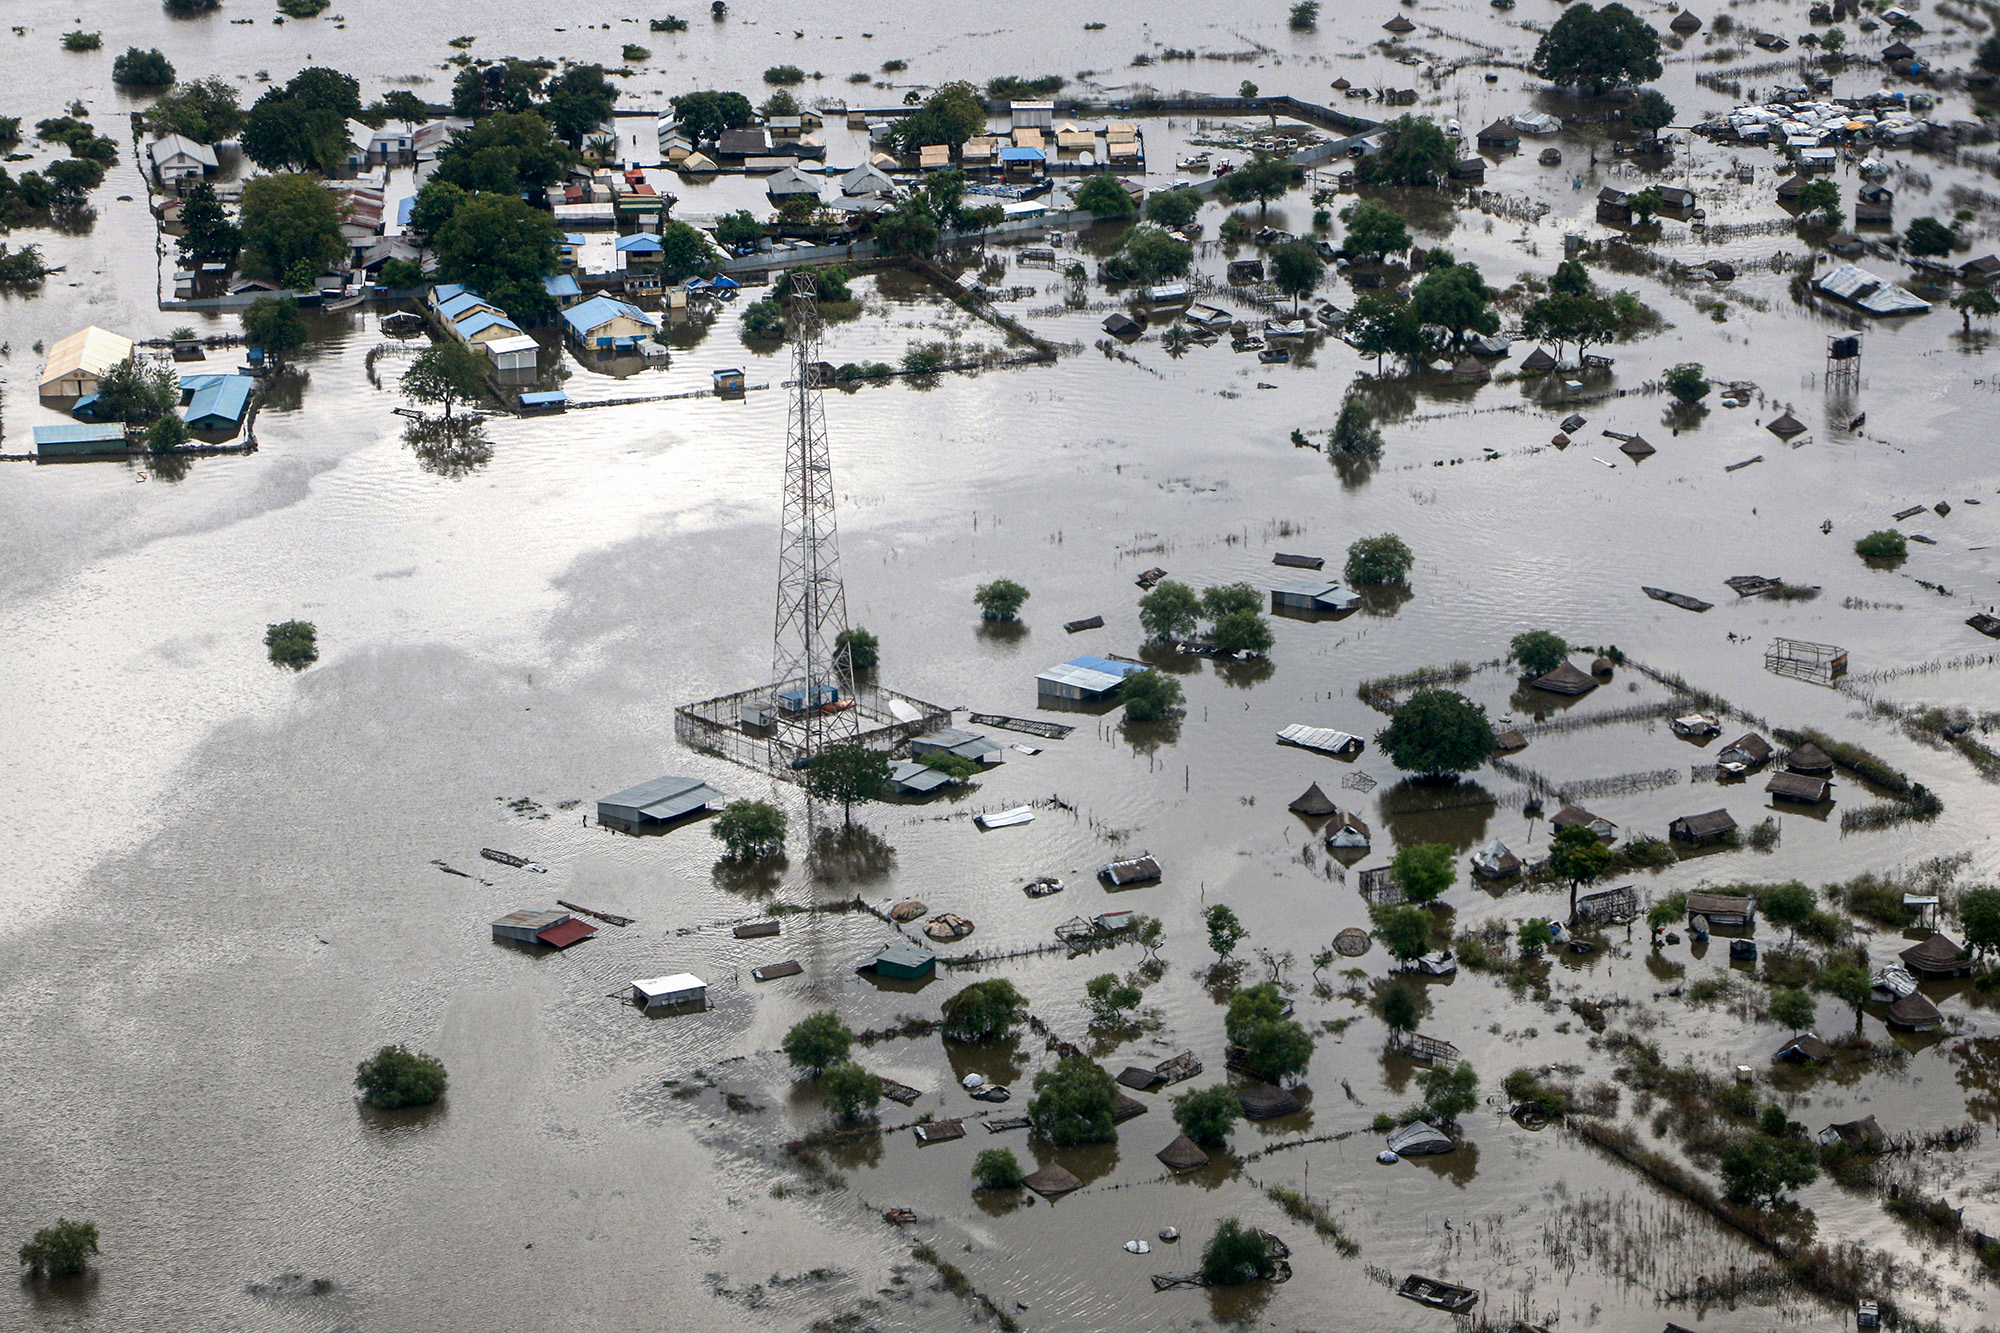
{"x":603,"y":614}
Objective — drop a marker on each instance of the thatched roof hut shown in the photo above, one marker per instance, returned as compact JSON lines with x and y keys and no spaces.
{"x":1183,"y":1154}
{"x":1938,"y":956}
{"x":1809,"y":758}
{"x":1785,"y":425}
{"x":1565,"y":679}
{"x":1313,"y":802}
{"x":1052,"y":1180}
{"x":1264,"y":1102}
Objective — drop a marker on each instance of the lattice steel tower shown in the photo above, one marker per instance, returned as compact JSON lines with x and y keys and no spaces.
{"x":813,"y":695}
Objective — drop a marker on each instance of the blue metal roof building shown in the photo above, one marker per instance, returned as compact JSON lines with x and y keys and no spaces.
{"x":55,"y":441}
{"x":563,"y":287}
{"x":475,"y":324}
{"x":219,"y":405}
{"x":1085,"y":679}
{"x":640,"y":243}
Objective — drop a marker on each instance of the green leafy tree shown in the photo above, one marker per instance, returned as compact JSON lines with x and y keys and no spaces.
{"x":1377,"y":560}
{"x":1450,"y":1091}
{"x":1150,"y":695}
{"x":1414,"y":152}
{"x":501,"y":248}
{"x":1305,"y":15}
{"x":1538,"y":651}
{"x":397,"y":1076}
{"x":1571,"y":278}
{"x":289,"y":219}
{"x":850,"y":774}
{"x":1235,"y":1254}
{"x":187,"y":9}
{"x":1593,"y":50}
{"x":850,"y":1090}
{"x":750,"y":829}
{"x":1794,"y":1009}
{"x":292,"y":643}
{"x":137,"y":390}
{"x":1405,"y":932}
{"x":1646,"y":202}
{"x":1074,"y":1103}
{"x":1975,"y":301}
{"x":1883,"y":544}
{"x":446,"y":374}
{"x":1246,"y":90}
{"x":1263,"y":178}
{"x":1759,"y":1169}
{"x":817,"y":1043}
{"x":168,"y":432}
{"x":1789,"y":905}
{"x":1402,"y":1006}
{"x":205,"y":110}
{"x":1172,"y":208}
{"x":1455,"y":297}
{"x":857,"y":649}
{"x":1354,"y":435}
{"x":1382,"y":324}
{"x":1688,"y":382}
{"x":1148,"y":255}
{"x":1535,"y":935}
{"x":303,"y":124}
{"x":504,"y":154}
{"x":705,"y":115}
{"x":1241,"y":632}
{"x":207,"y":234}
{"x":1564,"y":317}
{"x":1579,"y":856}
{"x":1295,"y":270}
{"x":1374,"y":228}
{"x":1424,"y":870}
{"x":910,"y":228}
{"x":1847,"y":981}
{"x":80,"y":40}
{"x":1225,"y":598}
{"x":1104,"y":197}
{"x":1437,"y":732}
{"x":1273,"y":1047}
{"x":1170,"y":611}
{"x":984,"y":1011}
{"x":62,"y":1250}
{"x":1927,"y":237}
{"x":1225,"y":931}
{"x":142,"y":69}
{"x":1820,"y":199}
{"x":1110,"y":999}
{"x":274,"y":324}
{"x":1979,"y":913}
{"x":1650,"y":111}
{"x":685,"y":253}
{"x":1001,"y":599}
{"x":951,"y":115}
{"x":509,"y":85}
{"x":579,"y":100}
{"x":738,"y":229}
{"x":998,"y":1169}
{"x":1206,"y":1115}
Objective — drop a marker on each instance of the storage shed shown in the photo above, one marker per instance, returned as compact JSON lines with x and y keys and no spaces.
{"x":964,"y":744}
{"x":1085,"y":679}
{"x":1713,"y":826}
{"x":665,"y":992}
{"x":900,"y":960}
{"x":1313,"y":595}
{"x":217,"y":402}
{"x":1133,"y":870}
{"x":1723,"y":909}
{"x":76,"y":364}
{"x":1574,"y":816}
{"x":1938,"y":956}
{"x":516,"y":353}
{"x":557,"y":930}
{"x":79,"y":440}
{"x":1798,"y":787}
{"x":654,"y":804}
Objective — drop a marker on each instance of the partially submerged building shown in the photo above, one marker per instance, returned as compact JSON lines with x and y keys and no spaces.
{"x":76,"y":365}
{"x":1566,"y":679}
{"x":656,"y":804}
{"x":1723,"y":909}
{"x":900,"y":960}
{"x":680,"y":988}
{"x":1313,"y":595}
{"x":1713,"y":826}
{"x":1938,"y":956}
{"x":556,"y":930}
{"x":1085,"y":679}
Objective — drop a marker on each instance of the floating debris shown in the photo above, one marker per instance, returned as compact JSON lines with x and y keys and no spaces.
{"x":772,"y":971}
{"x":1019,"y":814}
{"x":1299,"y":561}
{"x":1680,"y":599}
{"x":1737,"y":467}
{"x":608,"y":918}
{"x":757,"y":930}
{"x":509,"y":859}
{"x":1048,"y":731}
{"x":1440,"y":1295}
{"x":1088,"y":622}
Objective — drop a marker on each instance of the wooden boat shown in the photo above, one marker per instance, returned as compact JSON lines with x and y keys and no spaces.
{"x":1438,"y":1295}
{"x":1680,"y":599}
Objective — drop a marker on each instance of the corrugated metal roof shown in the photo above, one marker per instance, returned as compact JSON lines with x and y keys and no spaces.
{"x":664,"y":798}
{"x":601,"y":310}
{"x":565,"y":933}
{"x":89,"y":349}
{"x":221,"y":403}
{"x":80,"y":434}
{"x":1876,"y":295}
{"x":1320,"y":738}
{"x":678,"y":983}
{"x":474,"y":324}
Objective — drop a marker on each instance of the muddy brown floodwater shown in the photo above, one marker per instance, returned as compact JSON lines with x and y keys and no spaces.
{"x":223,"y":885}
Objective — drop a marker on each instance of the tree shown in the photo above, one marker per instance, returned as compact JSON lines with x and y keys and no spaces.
{"x":1759,"y":1169}
{"x":1263,"y":178}
{"x":1241,"y":632}
{"x":685,"y":253}
{"x":1450,"y":1091}
{"x":1650,"y":111}
{"x":1571,"y":278}
{"x":1172,"y":208}
{"x":579,"y":100}
{"x":273,"y":323}
{"x":1975,"y":301}
{"x":1535,"y":935}
{"x":850,"y":1090}
{"x":1820,"y":199}
{"x":509,"y":85}
{"x":1979,"y":913}
{"x":1224,"y":598}
{"x":1381,"y":324}
{"x":1794,"y":1009}
{"x":1207,"y":1114}
{"x":207,"y":234}
{"x":1593,"y":50}
{"x":1847,"y":981}
{"x":1646,"y":202}
{"x":504,"y":154}
{"x":290,"y":219}
{"x":1437,"y":732}
{"x":1789,"y":905}
{"x":1225,"y":932}
{"x":1295,"y":270}
{"x":910,"y":228}
{"x":1235,"y":1254}
{"x":951,"y":115}
{"x":187,"y":9}
{"x":851,"y":774}
{"x":73,"y":177}
{"x":1354,"y":435}
{"x":1246,"y":90}
{"x":397,"y":1076}
{"x":1074,"y":1103}
{"x":984,"y":1011}
{"x":1374,"y":228}
{"x":303,"y":125}
{"x":1455,"y":297}
{"x":445,"y":373}
{"x":292,"y":643}
{"x":750,"y":829}
{"x":857,"y":649}
{"x":1579,"y":856}
{"x":1565,"y":317}
{"x":1414,"y":151}
{"x":1688,"y":382}
{"x":501,"y":248}
{"x":998,"y":1169}
{"x":1405,"y":932}
{"x":1377,"y":560}
{"x":1272,"y":1047}
{"x":166,"y":432}
{"x":1169,"y":611}
{"x":817,"y":1043}
{"x":1104,"y":197}
{"x":1110,"y":1000}
{"x":1929,"y":237}
{"x":142,"y":69}
{"x":205,"y":110}
{"x":1401,"y":1006}
{"x":706,"y":115}
{"x":62,"y":1250}
{"x":1150,"y":695}
{"x":137,"y":390}
{"x":1305,"y":15}
{"x":1883,"y":544}
{"x":1538,"y":651}
{"x":1001,"y":599}
{"x":1148,"y":255}
{"x":740,"y":228}
{"x":1424,"y":870}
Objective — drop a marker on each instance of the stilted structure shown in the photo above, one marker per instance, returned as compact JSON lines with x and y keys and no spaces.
{"x":1843,"y":359}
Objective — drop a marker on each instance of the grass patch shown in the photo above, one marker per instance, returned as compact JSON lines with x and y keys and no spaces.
{"x":1301,"y":1209}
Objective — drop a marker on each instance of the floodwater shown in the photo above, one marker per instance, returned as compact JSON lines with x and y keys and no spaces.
{"x":223,"y":888}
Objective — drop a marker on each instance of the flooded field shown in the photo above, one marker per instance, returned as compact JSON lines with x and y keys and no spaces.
{"x":230,"y":882}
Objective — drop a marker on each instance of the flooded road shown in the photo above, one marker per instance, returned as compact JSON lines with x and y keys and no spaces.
{"x":224,"y":890}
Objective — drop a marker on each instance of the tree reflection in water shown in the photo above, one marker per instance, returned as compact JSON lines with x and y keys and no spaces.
{"x":455,"y":447}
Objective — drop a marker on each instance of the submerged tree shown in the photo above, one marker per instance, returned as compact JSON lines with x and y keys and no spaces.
{"x":817,"y":1043}
{"x":1207,"y":1114}
{"x":1074,"y":1103}
{"x":984,"y":1011}
{"x":1150,"y":695}
{"x":1594,"y":50}
{"x":850,"y":774}
{"x":1378,"y":560}
{"x":446,"y":374}
{"x":1437,"y":732}
{"x":1001,"y":599}
{"x":1235,"y":1254}
{"x":62,"y":1250}
{"x":397,"y":1076}
{"x":750,"y":829}
{"x":1538,"y":651}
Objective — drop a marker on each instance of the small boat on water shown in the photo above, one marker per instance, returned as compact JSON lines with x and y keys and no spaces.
{"x":1438,"y":1294}
{"x":1041,"y":886}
